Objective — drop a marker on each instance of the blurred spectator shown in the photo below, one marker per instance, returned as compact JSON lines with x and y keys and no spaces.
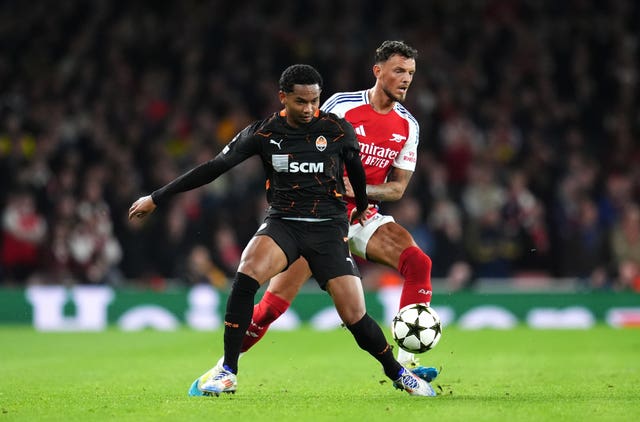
{"x":172,"y":244}
{"x":23,"y":233}
{"x":448,"y":254}
{"x":202,"y":270}
{"x":461,"y":141}
{"x":524,"y":214}
{"x":227,"y":248}
{"x":585,"y":248}
{"x":504,"y":140}
{"x":482,"y":194}
{"x":492,"y":251}
{"x":17,"y":146}
{"x":625,"y":244}
{"x":57,"y":267}
{"x":618,"y":193}
{"x":94,"y":250}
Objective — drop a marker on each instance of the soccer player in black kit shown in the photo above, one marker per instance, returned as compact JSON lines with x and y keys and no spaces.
{"x":304,"y":152}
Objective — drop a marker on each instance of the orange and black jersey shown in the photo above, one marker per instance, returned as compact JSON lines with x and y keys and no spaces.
{"x":303,"y":166}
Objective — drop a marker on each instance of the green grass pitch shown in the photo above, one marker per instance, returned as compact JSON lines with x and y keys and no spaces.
{"x":487,"y":375}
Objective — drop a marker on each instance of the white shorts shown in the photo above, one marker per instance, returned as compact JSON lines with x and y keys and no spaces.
{"x":359,"y":235}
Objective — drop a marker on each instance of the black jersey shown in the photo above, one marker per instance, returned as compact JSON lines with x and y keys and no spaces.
{"x":303,"y":166}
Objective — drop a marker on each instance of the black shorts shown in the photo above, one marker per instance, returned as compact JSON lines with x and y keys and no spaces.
{"x":324,"y":244}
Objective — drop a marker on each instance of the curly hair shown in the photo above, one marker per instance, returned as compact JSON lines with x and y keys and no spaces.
{"x":299,"y":74}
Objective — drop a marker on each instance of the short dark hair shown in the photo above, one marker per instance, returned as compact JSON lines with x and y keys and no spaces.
{"x":299,"y":74}
{"x":389,"y":48}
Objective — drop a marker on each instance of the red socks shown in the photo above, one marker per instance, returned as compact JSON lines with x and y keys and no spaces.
{"x":265,"y":312}
{"x":415,"y":267}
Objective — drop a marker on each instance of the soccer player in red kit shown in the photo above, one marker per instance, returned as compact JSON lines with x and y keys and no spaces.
{"x":388,"y":137}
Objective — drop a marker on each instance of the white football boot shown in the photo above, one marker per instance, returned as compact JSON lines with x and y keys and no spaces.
{"x":413,"y":384}
{"x":223,"y":381}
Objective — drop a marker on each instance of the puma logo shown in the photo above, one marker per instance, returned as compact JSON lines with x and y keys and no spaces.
{"x":351,"y":261}
{"x":271,"y":141}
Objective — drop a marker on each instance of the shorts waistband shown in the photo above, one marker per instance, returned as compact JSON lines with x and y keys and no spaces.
{"x":307,"y":219}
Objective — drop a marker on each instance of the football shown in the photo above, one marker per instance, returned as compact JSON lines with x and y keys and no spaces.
{"x":416,"y":328}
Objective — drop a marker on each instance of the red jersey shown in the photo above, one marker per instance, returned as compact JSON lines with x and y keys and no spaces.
{"x":385,"y":140}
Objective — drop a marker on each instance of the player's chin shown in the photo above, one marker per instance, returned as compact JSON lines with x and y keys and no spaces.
{"x":401,"y":95}
{"x":398,"y":96}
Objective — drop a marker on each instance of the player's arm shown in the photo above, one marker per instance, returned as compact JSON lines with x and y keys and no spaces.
{"x":355,"y":172}
{"x":391,"y":190}
{"x":238,"y":150}
{"x":194,"y":178}
{"x":358,"y":182}
{"x":401,"y":170}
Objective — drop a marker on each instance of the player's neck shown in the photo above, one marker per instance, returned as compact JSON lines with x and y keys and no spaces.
{"x":380,"y":102}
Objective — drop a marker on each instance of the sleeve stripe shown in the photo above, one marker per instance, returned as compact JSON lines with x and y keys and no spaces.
{"x":342,"y":98}
{"x":403,"y":112}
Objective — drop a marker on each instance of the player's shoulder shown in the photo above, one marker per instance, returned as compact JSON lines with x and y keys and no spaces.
{"x":405,"y":114}
{"x":330,"y":118}
{"x":263,"y":127}
{"x":256,"y":131}
{"x":268,"y":122}
{"x":333,"y":122}
{"x":344,"y":101}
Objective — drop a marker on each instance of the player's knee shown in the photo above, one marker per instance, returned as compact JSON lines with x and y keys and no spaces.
{"x":427,"y":261}
{"x":413,"y":258}
{"x":351,"y":315}
{"x":353,"y":318}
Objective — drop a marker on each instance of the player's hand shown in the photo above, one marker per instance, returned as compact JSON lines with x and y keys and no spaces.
{"x":142,"y":207}
{"x":361,"y":217}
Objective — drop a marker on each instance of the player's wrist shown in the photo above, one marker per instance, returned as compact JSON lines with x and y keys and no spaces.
{"x":155,"y":198}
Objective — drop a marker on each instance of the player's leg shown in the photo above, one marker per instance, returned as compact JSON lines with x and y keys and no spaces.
{"x":386,"y":242}
{"x":348,"y":297}
{"x":281,"y":291}
{"x":261,"y":260}
{"x":392,"y":245}
{"x":336,"y":272}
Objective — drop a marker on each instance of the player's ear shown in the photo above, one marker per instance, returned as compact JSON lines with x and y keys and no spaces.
{"x":376,"y":70}
{"x":282,"y":96}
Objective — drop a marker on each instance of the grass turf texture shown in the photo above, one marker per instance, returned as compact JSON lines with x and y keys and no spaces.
{"x":515,"y":375}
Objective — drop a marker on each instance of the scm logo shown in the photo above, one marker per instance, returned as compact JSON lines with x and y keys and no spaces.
{"x":296,"y":167}
{"x":281,"y":164}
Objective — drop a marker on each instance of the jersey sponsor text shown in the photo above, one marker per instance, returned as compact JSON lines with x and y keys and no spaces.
{"x":281,"y":164}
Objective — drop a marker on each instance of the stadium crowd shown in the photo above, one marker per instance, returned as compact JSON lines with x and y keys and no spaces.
{"x":528,"y":164}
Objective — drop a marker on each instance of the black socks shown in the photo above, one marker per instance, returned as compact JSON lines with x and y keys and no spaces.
{"x":370,"y":337}
{"x":238,"y":317}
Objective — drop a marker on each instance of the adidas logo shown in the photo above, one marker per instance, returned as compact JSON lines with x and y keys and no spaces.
{"x":360,"y":131}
